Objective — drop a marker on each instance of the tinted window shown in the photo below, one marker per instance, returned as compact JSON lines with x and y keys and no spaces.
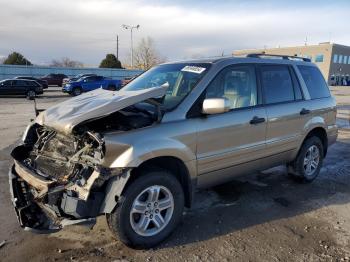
{"x":90,"y":79}
{"x":314,"y":81}
{"x":277,"y":84}
{"x":19,"y":83}
{"x":31,"y":83}
{"x":237,"y":84}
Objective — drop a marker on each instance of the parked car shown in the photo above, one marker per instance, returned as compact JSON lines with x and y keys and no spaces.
{"x":89,"y":83}
{"x":43,"y":83}
{"x":29,"y":88}
{"x":54,"y":79}
{"x":75,"y":78}
{"x":138,"y":155}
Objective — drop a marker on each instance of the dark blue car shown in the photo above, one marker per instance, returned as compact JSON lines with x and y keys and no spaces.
{"x":89,"y":83}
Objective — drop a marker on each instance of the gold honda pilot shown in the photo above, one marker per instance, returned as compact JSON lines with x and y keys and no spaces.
{"x":137,"y":155}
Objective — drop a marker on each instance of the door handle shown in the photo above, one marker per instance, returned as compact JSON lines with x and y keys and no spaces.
{"x":257,"y":120}
{"x":305,"y":111}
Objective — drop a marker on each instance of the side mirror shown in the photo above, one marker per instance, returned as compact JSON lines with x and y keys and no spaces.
{"x":213,"y":106}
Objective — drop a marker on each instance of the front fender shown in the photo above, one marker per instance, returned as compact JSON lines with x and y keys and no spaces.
{"x":127,"y":155}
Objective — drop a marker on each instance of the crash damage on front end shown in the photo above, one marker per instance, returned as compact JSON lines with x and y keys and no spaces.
{"x":58,"y":177}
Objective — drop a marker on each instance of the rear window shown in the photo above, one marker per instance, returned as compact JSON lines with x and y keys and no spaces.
{"x":277,"y":84}
{"x":314,"y":81}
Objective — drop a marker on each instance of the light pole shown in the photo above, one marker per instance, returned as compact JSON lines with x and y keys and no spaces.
{"x":131,"y":27}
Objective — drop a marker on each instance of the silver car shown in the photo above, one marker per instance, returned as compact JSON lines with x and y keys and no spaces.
{"x":137,"y":155}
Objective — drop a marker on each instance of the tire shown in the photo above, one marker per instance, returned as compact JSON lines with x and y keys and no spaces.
{"x":112,"y":88}
{"x":123,"y":223}
{"x":303,"y":169}
{"x":30,"y":95}
{"x":76,"y":91}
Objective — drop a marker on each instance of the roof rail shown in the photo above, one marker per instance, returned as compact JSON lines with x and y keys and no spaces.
{"x":287,"y":57}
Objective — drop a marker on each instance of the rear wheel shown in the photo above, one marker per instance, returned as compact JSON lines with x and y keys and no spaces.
{"x":149,"y":210}
{"x":308,"y":163}
{"x":76,"y":91}
{"x":30,"y":94}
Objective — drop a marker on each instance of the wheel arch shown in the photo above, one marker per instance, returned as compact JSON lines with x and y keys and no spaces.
{"x":321,"y":133}
{"x":175,"y":166}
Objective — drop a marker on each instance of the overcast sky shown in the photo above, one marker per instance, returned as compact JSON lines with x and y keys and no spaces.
{"x":85,"y":30}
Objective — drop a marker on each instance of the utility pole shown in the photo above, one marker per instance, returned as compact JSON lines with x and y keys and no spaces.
{"x":117,"y":47}
{"x":131,"y":28}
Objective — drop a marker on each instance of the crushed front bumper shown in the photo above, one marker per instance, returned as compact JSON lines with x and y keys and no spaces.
{"x":37,"y":217}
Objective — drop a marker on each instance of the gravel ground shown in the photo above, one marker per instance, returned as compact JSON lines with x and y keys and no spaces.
{"x":265,"y":217}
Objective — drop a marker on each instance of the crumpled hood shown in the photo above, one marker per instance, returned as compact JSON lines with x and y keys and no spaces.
{"x":64,"y":116}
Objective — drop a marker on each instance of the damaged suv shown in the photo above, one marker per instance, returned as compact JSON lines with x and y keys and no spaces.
{"x":137,"y":155}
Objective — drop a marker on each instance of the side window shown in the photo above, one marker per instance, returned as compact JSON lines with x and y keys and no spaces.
{"x":31,"y":83}
{"x":21,"y":83}
{"x":237,"y":84}
{"x":277,"y":84}
{"x":314,"y":81}
{"x":90,"y":79}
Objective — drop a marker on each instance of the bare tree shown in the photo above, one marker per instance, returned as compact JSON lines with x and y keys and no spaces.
{"x":66,"y":62}
{"x":146,"y":55}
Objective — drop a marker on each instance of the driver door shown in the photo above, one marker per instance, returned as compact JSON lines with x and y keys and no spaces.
{"x":232,"y":143}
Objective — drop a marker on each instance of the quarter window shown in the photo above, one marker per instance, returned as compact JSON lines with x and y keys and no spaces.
{"x":277,"y":84}
{"x":314,"y":81}
{"x":237,"y":84}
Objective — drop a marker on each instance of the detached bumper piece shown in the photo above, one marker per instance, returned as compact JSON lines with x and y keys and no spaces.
{"x":30,"y":216}
{"x":59,"y":209}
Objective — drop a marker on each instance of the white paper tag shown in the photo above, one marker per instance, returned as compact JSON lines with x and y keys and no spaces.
{"x":193,"y":69}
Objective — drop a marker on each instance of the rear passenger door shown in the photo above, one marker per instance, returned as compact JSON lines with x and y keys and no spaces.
{"x":287,"y":112}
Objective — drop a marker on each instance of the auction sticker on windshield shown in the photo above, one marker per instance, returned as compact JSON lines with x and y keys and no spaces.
{"x":193,"y":69}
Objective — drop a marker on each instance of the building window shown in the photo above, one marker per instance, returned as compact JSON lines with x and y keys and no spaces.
{"x":340,"y":60}
{"x":345,"y":61}
{"x":335,"y":59}
{"x":319,"y":58}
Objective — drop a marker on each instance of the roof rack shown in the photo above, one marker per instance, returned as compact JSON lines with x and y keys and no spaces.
{"x":287,"y":57}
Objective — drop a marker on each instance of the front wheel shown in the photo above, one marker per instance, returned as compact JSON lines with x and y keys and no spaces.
{"x":149,"y":210}
{"x":76,"y":91}
{"x":30,"y":94}
{"x":308,"y":163}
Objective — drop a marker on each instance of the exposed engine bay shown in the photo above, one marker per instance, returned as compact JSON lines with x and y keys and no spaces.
{"x":58,"y":177}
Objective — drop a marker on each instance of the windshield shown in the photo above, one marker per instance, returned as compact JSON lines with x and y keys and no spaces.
{"x":181,"y":78}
